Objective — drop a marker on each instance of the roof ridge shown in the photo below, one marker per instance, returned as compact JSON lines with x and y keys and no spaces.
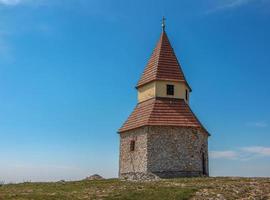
{"x":152,"y":109}
{"x":197,"y":119}
{"x":160,"y":43}
{"x":180,"y":68}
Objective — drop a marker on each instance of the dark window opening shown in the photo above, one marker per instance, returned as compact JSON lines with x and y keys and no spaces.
{"x":132,"y":145}
{"x":187,"y":95}
{"x":170,"y":89}
{"x":203,"y":165}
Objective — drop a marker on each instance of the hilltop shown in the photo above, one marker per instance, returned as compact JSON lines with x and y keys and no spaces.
{"x":183,"y":188}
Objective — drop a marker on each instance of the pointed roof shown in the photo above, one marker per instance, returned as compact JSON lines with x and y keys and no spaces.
{"x":163,"y":64}
{"x":162,"y":111}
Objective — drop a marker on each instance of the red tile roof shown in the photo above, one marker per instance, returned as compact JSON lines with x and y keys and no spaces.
{"x":163,"y":64}
{"x":162,"y":112}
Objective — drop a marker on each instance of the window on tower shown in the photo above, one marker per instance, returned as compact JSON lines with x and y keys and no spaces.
{"x":170,"y":90}
{"x":132,"y":145}
{"x":186,"y":95}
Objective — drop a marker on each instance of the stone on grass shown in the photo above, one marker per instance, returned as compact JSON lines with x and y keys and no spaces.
{"x":95,"y":177}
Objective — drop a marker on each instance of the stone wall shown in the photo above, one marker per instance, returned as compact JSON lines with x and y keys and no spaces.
{"x":166,"y":152}
{"x":176,"y":151}
{"x":133,"y":161}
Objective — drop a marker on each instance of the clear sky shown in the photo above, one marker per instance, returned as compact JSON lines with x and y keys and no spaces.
{"x":68,"y":69}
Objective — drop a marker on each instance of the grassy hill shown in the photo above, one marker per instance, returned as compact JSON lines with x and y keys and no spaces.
{"x":184,"y":188}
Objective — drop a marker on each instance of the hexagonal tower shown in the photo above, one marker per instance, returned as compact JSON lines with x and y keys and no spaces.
{"x":162,"y":136}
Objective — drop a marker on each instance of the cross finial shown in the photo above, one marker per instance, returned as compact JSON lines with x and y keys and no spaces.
{"x":163,"y":23}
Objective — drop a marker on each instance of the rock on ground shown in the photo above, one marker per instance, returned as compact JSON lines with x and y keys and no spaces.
{"x":95,"y":177}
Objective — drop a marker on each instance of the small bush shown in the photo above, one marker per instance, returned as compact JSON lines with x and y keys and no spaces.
{"x":2,"y":183}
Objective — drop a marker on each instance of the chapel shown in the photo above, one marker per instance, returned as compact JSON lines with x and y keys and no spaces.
{"x":162,"y":136}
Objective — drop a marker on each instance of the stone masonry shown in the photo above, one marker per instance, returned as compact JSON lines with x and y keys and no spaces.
{"x":163,"y":151}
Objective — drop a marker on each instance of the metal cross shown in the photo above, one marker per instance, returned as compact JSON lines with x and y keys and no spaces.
{"x":163,"y":23}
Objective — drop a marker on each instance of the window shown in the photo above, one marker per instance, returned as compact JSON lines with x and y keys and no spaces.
{"x":170,"y":89}
{"x":187,"y":95}
{"x":132,"y":145}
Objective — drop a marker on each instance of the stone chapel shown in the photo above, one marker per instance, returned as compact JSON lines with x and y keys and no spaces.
{"x":162,"y":137}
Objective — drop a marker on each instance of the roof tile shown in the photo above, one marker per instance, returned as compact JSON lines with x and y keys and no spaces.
{"x":162,"y":112}
{"x":163,"y":64}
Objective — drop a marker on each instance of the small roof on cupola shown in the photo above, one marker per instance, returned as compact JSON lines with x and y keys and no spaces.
{"x":163,"y":63}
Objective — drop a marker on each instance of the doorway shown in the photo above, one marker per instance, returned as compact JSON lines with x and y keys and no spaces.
{"x":203,"y":165}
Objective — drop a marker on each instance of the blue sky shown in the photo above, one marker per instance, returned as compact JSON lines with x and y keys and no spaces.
{"x":68,"y":71}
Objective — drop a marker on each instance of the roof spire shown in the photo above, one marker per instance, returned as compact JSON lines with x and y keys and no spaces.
{"x":163,"y":63}
{"x":163,"y":23}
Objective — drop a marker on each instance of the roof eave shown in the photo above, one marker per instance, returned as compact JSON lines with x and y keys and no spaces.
{"x":173,"y":80}
{"x":120,"y":131}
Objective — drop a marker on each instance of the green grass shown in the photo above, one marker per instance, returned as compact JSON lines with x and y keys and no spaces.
{"x":114,"y":189}
{"x":105,"y":189}
{"x":153,"y":193}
